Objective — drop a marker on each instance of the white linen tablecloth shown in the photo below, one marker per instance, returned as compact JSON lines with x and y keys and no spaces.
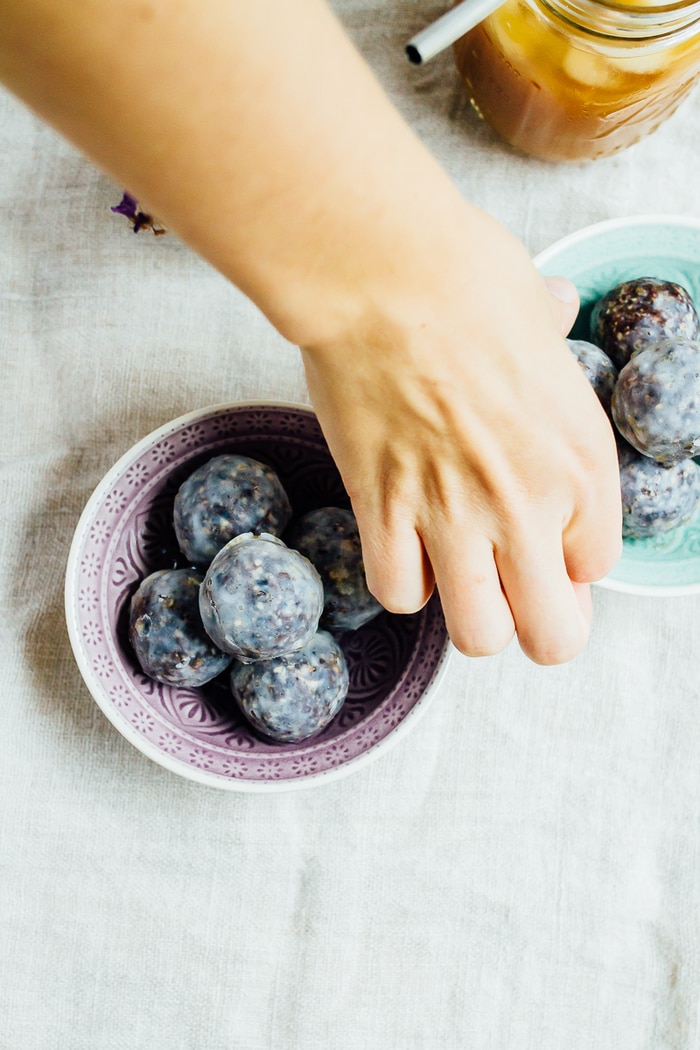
{"x":520,"y":873}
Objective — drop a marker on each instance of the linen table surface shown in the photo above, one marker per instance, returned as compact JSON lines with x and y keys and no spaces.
{"x":521,"y":872}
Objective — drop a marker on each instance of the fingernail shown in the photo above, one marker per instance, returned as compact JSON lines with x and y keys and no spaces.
{"x":562,"y":289}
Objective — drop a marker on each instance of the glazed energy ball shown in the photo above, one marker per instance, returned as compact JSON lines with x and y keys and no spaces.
{"x":259,"y":599}
{"x":655,"y":498}
{"x":293,"y":697}
{"x":227,"y":496}
{"x":656,"y":401}
{"x":636,"y":313}
{"x":166,"y":630}
{"x":330,"y":539}
{"x":597,"y":368}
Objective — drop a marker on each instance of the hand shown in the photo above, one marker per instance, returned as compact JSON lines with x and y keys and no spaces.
{"x":476,"y":454}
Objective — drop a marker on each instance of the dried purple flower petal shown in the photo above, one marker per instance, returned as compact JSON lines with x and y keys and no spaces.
{"x":128,"y":206}
{"x":140,"y":220}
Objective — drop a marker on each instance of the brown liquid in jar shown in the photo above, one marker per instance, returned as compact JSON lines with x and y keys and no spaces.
{"x":560,"y":91}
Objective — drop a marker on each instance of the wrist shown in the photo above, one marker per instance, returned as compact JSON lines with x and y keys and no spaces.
{"x":411,"y":280}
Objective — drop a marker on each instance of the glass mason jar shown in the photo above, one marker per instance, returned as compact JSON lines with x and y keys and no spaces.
{"x":580,"y":79}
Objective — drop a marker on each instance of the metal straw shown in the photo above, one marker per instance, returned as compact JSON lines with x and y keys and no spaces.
{"x":450,"y":27}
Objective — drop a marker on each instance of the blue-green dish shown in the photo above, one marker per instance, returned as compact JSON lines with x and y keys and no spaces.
{"x":596,"y":258}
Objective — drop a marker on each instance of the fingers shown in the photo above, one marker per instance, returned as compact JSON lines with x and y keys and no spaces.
{"x":591,"y":554}
{"x":552,"y":615}
{"x":397,"y":569}
{"x":583,"y":597}
{"x":592,"y":540}
{"x":486,"y":599}
{"x":565,"y":301}
{"x":533,"y":581}
{"x":477,"y":614}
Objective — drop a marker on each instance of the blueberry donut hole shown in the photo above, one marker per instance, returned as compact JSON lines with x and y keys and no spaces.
{"x":227,"y":496}
{"x":656,"y":401}
{"x":597,"y":368}
{"x":259,"y":599}
{"x":638,"y":312}
{"x":293,"y":697}
{"x":655,"y":498}
{"x":330,"y":539}
{"x":166,"y":630}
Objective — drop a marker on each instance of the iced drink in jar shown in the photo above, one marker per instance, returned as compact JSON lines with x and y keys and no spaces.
{"x":580,"y":79}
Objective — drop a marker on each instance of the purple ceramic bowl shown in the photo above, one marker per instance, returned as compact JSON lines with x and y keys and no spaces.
{"x":126,"y":532}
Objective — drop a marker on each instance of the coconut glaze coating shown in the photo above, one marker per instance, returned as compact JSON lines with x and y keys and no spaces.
{"x":226,"y":497}
{"x":330,"y":539}
{"x":656,"y":401}
{"x":655,"y":498}
{"x":597,"y":368}
{"x":166,"y":630}
{"x":259,"y":599}
{"x":636,"y":313}
{"x":293,"y":697}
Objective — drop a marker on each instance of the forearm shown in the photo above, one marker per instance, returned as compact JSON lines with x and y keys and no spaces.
{"x":253,"y":130}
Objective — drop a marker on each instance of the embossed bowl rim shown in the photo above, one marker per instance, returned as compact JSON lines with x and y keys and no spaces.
{"x":97,"y":691}
{"x":544,"y":261}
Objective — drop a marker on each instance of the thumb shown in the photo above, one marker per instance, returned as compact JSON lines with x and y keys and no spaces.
{"x":565,"y":301}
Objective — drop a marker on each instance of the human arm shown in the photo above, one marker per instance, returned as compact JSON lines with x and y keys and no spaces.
{"x":468,"y":439}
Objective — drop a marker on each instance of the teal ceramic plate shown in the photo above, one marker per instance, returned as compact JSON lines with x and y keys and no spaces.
{"x":595,"y":259}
